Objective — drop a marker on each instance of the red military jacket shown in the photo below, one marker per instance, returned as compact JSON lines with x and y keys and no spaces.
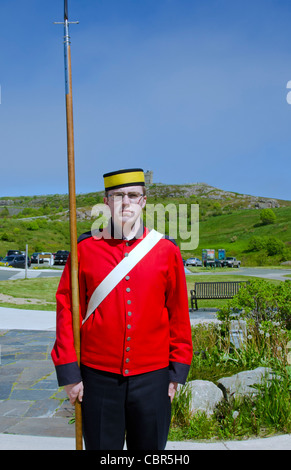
{"x":141,"y":326}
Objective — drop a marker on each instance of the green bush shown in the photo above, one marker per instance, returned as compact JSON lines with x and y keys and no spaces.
{"x":275,"y":246}
{"x":33,"y":225}
{"x":272,"y":245}
{"x":262,"y":301}
{"x":256,"y":243}
{"x":267,"y":216}
{"x":5,"y":237}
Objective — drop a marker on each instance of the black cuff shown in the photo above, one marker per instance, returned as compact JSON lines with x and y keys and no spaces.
{"x":178,"y":372}
{"x":68,"y":374}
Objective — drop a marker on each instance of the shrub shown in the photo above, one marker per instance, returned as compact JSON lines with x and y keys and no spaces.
{"x":274,"y":246}
{"x":256,"y":243}
{"x":5,"y":237}
{"x":33,"y":225}
{"x":267,"y":216}
{"x":262,"y":301}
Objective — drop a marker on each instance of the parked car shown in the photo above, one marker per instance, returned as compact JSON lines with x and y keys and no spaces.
{"x":61,"y":256}
{"x":193,"y":262}
{"x":16,"y":261}
{"x":231,"y":262}
{"x":8,"y":259}
{"x":13,"y":252}
{"x":34,"y":257}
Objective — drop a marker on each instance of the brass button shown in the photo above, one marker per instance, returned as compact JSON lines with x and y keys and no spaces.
{"x":128,"y":327}
{"x":126,"y":371}
{"x":127,"y":360}
{"x":128,"y":338}
{"x":129,"y":302}
{"x":127,"y":278}
{"x":129,"y":314}
{"x":128,"y":289}
{"x":127,"y":349}
{"x":125,"y":254}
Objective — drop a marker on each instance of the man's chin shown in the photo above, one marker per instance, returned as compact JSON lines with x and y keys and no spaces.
{"x":124,"y":219}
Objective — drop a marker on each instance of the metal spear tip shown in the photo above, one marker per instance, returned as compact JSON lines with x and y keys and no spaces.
{"x":65,"y":10}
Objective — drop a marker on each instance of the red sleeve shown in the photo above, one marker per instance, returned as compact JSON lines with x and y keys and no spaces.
{"x":181,"y":348}
{"x":63,"y":353}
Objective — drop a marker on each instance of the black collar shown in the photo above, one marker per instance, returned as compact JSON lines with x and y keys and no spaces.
{"x":115,"y":232}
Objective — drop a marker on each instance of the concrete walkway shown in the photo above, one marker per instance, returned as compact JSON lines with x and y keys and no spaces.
{"x":17,"y":442}
{"x":34,"y":412}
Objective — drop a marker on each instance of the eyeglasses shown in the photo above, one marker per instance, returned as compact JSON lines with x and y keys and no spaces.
{"x":133,"y":197}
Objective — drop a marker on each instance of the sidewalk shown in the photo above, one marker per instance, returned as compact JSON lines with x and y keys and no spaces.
{"x":34,"y":412}
{"x":14,"y":442}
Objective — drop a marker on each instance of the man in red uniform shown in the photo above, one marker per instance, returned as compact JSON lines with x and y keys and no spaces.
{"x":136,"y":342}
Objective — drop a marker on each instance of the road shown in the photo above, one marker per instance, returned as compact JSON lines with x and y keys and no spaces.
{"x":266,"y":273}
{"x":13,"y":273}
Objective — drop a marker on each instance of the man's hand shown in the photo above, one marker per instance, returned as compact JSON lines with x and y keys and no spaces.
{"x":172,"y":390}
{"x":74,"y":392}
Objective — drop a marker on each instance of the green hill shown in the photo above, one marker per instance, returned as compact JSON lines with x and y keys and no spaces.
{"x":226,"y":220}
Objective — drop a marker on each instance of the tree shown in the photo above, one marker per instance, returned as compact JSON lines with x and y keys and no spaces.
{"x":267,"y":216}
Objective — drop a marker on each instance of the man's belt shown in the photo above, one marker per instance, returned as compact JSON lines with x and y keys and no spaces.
{"x":121,"y":270}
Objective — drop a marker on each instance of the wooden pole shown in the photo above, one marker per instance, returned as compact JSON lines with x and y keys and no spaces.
{"x":73,"y":219}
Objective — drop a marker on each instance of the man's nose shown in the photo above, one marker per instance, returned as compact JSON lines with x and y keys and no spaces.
{"x":125,"y":199}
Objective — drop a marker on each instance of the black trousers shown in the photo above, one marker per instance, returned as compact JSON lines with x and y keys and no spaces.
{"x":114,"y":406}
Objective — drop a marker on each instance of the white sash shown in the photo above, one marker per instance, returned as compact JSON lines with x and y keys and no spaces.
{"x":120,"y":271}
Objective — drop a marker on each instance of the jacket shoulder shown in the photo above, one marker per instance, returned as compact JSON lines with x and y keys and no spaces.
{"x":84,"y":236}
{"x":166,"y":237}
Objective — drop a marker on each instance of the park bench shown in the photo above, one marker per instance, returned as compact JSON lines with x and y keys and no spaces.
{"x":214,"y":290}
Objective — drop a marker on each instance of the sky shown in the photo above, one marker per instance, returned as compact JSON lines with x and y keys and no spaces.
{"x":194,"y":90}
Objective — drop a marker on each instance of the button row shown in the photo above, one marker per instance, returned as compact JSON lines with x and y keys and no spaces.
{"x":128,"y":289}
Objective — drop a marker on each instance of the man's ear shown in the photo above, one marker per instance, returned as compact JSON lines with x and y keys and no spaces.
{"x":144,"y":202}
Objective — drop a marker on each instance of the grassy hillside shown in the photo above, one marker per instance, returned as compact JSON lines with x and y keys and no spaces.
{"x":234,"y":231}
{"x":227,"y":220}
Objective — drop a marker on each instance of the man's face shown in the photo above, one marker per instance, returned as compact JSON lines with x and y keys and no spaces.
{"x":125,"y":204}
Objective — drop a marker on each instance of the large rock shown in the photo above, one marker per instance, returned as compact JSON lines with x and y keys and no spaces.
{"x":243,"y":383}
{"x":205,"y":396}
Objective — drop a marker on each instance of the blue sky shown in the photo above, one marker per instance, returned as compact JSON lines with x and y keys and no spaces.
{"x":194,"y":90}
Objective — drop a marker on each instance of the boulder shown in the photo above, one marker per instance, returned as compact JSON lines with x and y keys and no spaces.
{"x":243,"y":383}
{"x":205,"y":396}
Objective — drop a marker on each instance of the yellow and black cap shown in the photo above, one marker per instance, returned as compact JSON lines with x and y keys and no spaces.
{"x":122,"y":178}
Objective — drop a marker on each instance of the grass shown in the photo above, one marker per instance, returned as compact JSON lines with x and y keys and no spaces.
{"x":233,"y":232}
{"x":43,"y":289}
